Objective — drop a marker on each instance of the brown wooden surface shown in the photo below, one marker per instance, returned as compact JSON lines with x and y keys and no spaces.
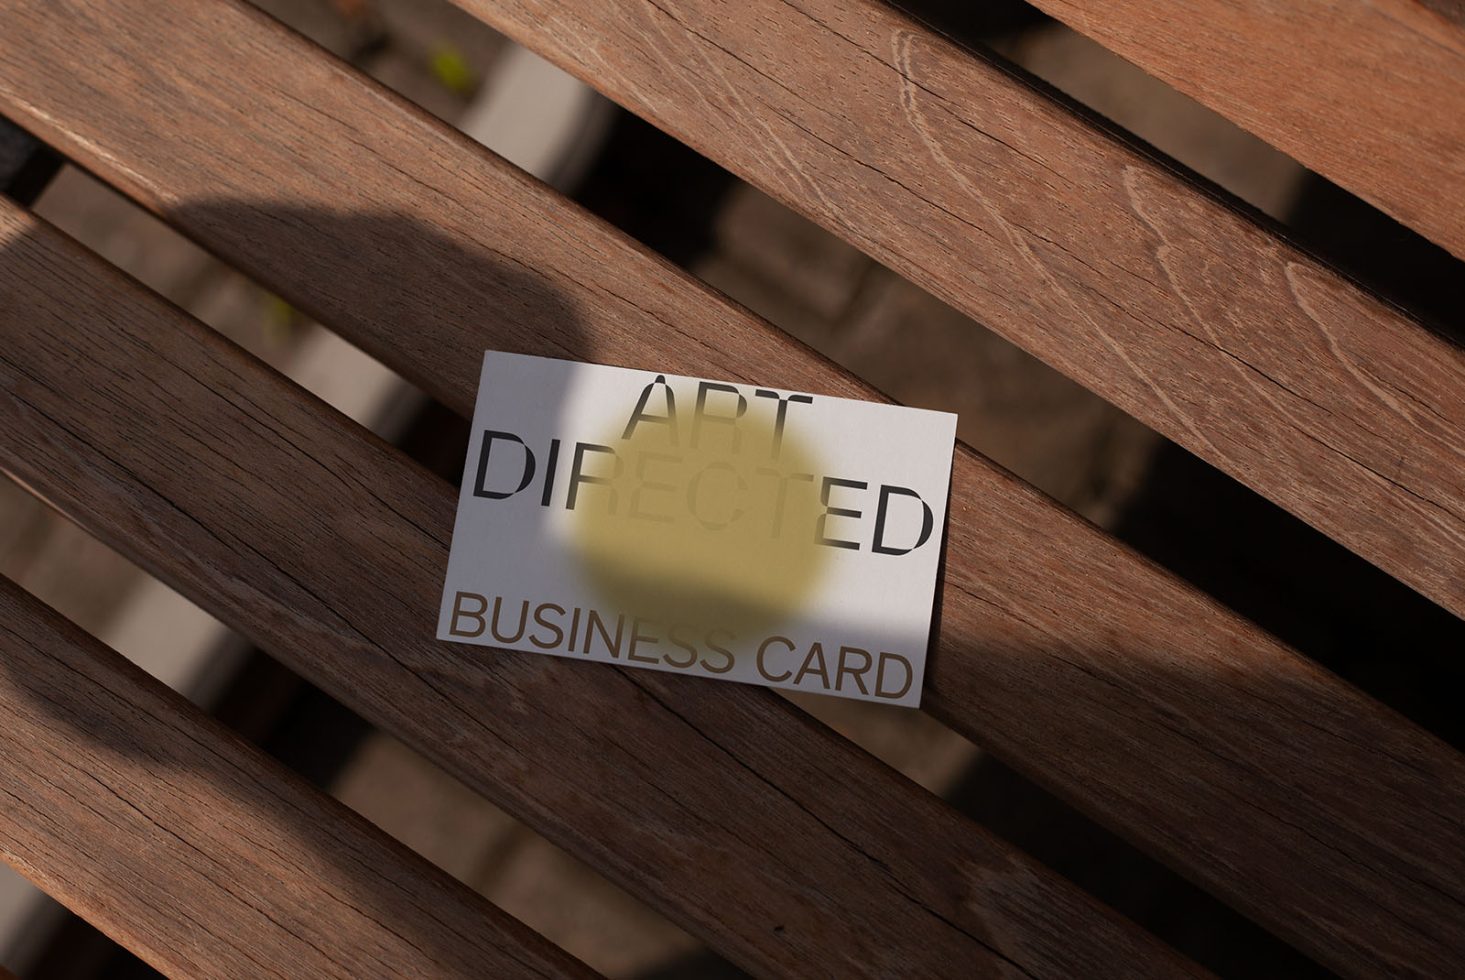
{"x":1369,"y":93}
{"x":1105,"y":264}
{"x":724,"y":806}
{"x":125,"y":803}
{"x":1169,"y":718}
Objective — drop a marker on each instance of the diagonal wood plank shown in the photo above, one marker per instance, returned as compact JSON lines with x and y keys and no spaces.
{"x":1110,"y":266}
{"x":1369,"y":93}
{"x":1172,"y":720}
{"x":192,"y":849}
{"x":723,"y":806}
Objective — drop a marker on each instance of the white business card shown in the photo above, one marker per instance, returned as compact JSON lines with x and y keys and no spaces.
{"x":717,"y":529}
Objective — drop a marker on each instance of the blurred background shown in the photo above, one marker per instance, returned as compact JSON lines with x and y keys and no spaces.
{"x":1051,"y":432}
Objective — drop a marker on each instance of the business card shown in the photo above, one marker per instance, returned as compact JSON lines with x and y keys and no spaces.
{"x":718,"y":529}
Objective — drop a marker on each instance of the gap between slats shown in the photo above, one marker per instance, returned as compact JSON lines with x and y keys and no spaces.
{"x":1371,"y":95}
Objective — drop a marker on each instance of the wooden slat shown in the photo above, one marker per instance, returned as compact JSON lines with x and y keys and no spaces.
{"x":1109,"y":266}
{"x":1369,"y":93}
{"x":1166,"y":716}
{"x":192,"y":849}
{"x":725,"y":807}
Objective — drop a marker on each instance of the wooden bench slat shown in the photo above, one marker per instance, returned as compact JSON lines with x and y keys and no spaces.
{"x":1369,"y":93}
{"x":1108,"y":265}
{"x":192,"y":849}
{"x":723,"y":806}
{"x":1107,"y":679}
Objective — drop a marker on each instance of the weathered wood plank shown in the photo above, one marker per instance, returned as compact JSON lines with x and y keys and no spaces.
{"x":725,"y":807}
{"x":1168,"y":717}
{"x":1369,"y":93}
{"x":1111,"y":267}
{"x":190,"y":848}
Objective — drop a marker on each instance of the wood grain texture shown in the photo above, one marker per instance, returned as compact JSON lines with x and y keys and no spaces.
{"x":729,"y":810}
{"x":1369,"y":93}
{"x":192,"y":849}
{"x":1104,"y":263}
{"x":1166,"y":716}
